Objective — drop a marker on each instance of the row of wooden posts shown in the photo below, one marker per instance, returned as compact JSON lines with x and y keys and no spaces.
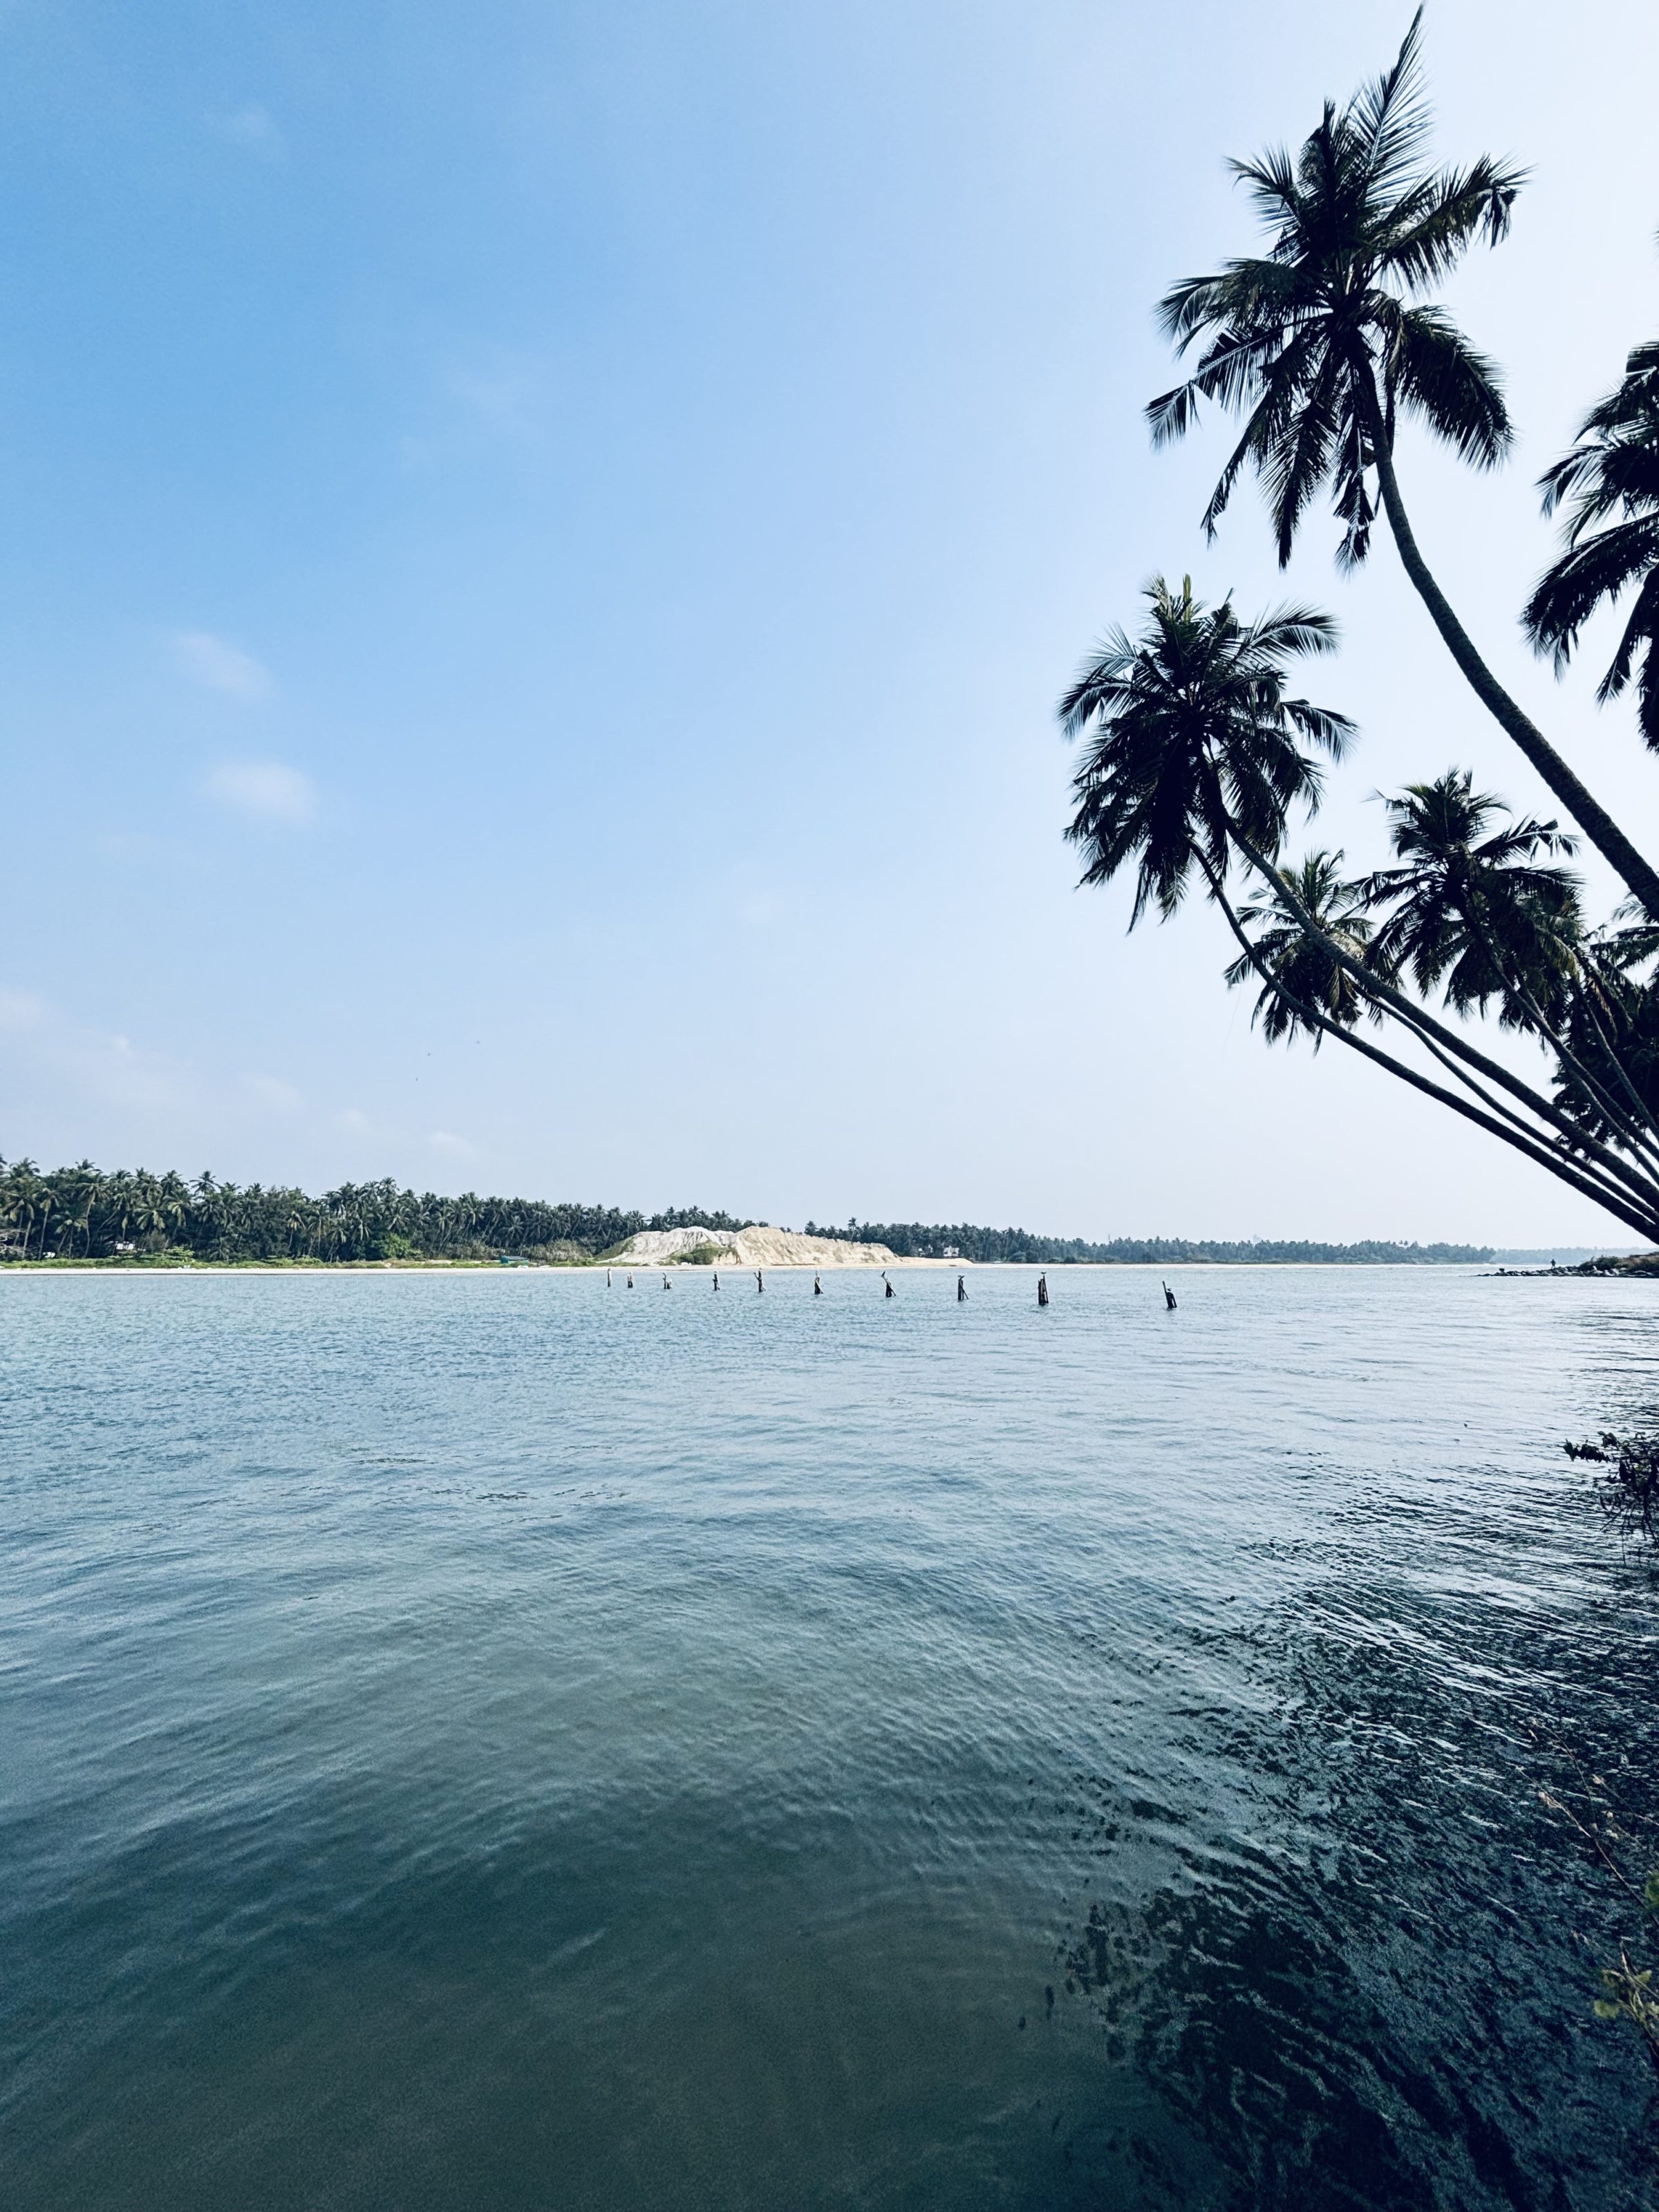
{"x":887,"y":1285}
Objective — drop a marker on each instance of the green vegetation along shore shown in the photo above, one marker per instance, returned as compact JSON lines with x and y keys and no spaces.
{"x":131,"y":1216}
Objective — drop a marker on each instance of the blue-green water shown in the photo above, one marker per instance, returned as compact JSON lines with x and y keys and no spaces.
{"x":491,"y":1741}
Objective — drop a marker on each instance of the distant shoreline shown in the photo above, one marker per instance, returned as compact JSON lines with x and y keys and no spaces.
{"x":170,"y":1220}
{"x":1639,"y":1265}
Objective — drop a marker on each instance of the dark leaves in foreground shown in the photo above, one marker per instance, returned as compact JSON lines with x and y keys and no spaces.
{"x":1630,"y":1489}
{"x":1610,"y":484}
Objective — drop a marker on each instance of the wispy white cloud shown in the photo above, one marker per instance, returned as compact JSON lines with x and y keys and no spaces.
{"x":218,"y":665}
{"x":91,"y":1063}
{"x":252,"y":126}
{"x":269,"y":790}
{"x":457,"y":1148}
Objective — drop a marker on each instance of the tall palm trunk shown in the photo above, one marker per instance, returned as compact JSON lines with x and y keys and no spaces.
{"x":1588,"y":811}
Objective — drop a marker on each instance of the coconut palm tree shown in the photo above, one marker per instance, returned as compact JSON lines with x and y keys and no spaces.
{"x":1195,"y":741}
{"x":1483,"y":917}
{"x":43,"y":1204}
{"x":22,"y":1192}
{"x":1610,"y":481}
{"x":1476,"y":910}
{"x":77,"y":1192}
{"x":120,"y":1200}
{"x":1326,"y":341}
{"x":1596,"y":1134}
{"x":172,"y":1200}
{"x":1192,"y":764}
{"x":149,"y":1213}
{"x":1302,"y":972}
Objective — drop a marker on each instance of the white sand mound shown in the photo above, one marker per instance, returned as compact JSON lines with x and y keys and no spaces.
{"x":755,"y":1248}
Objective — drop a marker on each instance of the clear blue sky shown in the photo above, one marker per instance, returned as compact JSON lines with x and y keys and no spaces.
{"x":539,"y":543}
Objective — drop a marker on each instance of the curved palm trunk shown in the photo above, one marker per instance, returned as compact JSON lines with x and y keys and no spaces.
{"x":1588,"y":811}
{"x":1620,"y":1204}
{"x":1587,"y":1000}
{"x":1446,"y":1045}
{"x":1638,"y":1134}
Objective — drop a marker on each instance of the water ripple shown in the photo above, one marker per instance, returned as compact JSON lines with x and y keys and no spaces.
{"x":483,"y":1739}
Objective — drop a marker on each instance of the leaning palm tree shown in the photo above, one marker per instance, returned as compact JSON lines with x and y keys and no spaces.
{"x":1611,"y":479}
{"x":1326,"y":341}
{"x":1483,"y":911}
{"x":1481,"y":904}
{"x":1300,"y":972}
{"x":1196,"y":741}
{"x":1194,"y":759}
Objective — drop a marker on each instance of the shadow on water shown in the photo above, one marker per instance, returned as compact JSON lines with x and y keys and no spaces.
{"x":1373,"y":1987}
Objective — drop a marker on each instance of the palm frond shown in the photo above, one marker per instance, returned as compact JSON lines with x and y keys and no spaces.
{"x":1585,"y":577}
{"x":1302,"y":460}
{"x":1391,"y":117}
{"x":1101,"y":682}
{"x":1321,"y":725}
{"x":1274,"y":183}
{"x":1432,"y":226}
{"x":1438,"y":376}
{"x":1263,"y":434}
{"x":1292,"y":630}
{"x":1641,"y":636}
{"x":1351,"y":500}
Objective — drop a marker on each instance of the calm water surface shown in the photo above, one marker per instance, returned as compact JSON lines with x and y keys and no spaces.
{"x":488,"y":1742}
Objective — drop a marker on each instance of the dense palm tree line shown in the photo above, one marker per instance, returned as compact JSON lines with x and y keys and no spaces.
{"x":919,"y":1240}
{"x":1196,"y":749}
{"x":79,"y":1213}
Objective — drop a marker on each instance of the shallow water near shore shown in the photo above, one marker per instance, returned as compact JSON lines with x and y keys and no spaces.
{"x":490,"y":1741}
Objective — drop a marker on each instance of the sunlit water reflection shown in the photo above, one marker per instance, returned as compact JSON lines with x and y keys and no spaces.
{"x":487,"y":1741}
